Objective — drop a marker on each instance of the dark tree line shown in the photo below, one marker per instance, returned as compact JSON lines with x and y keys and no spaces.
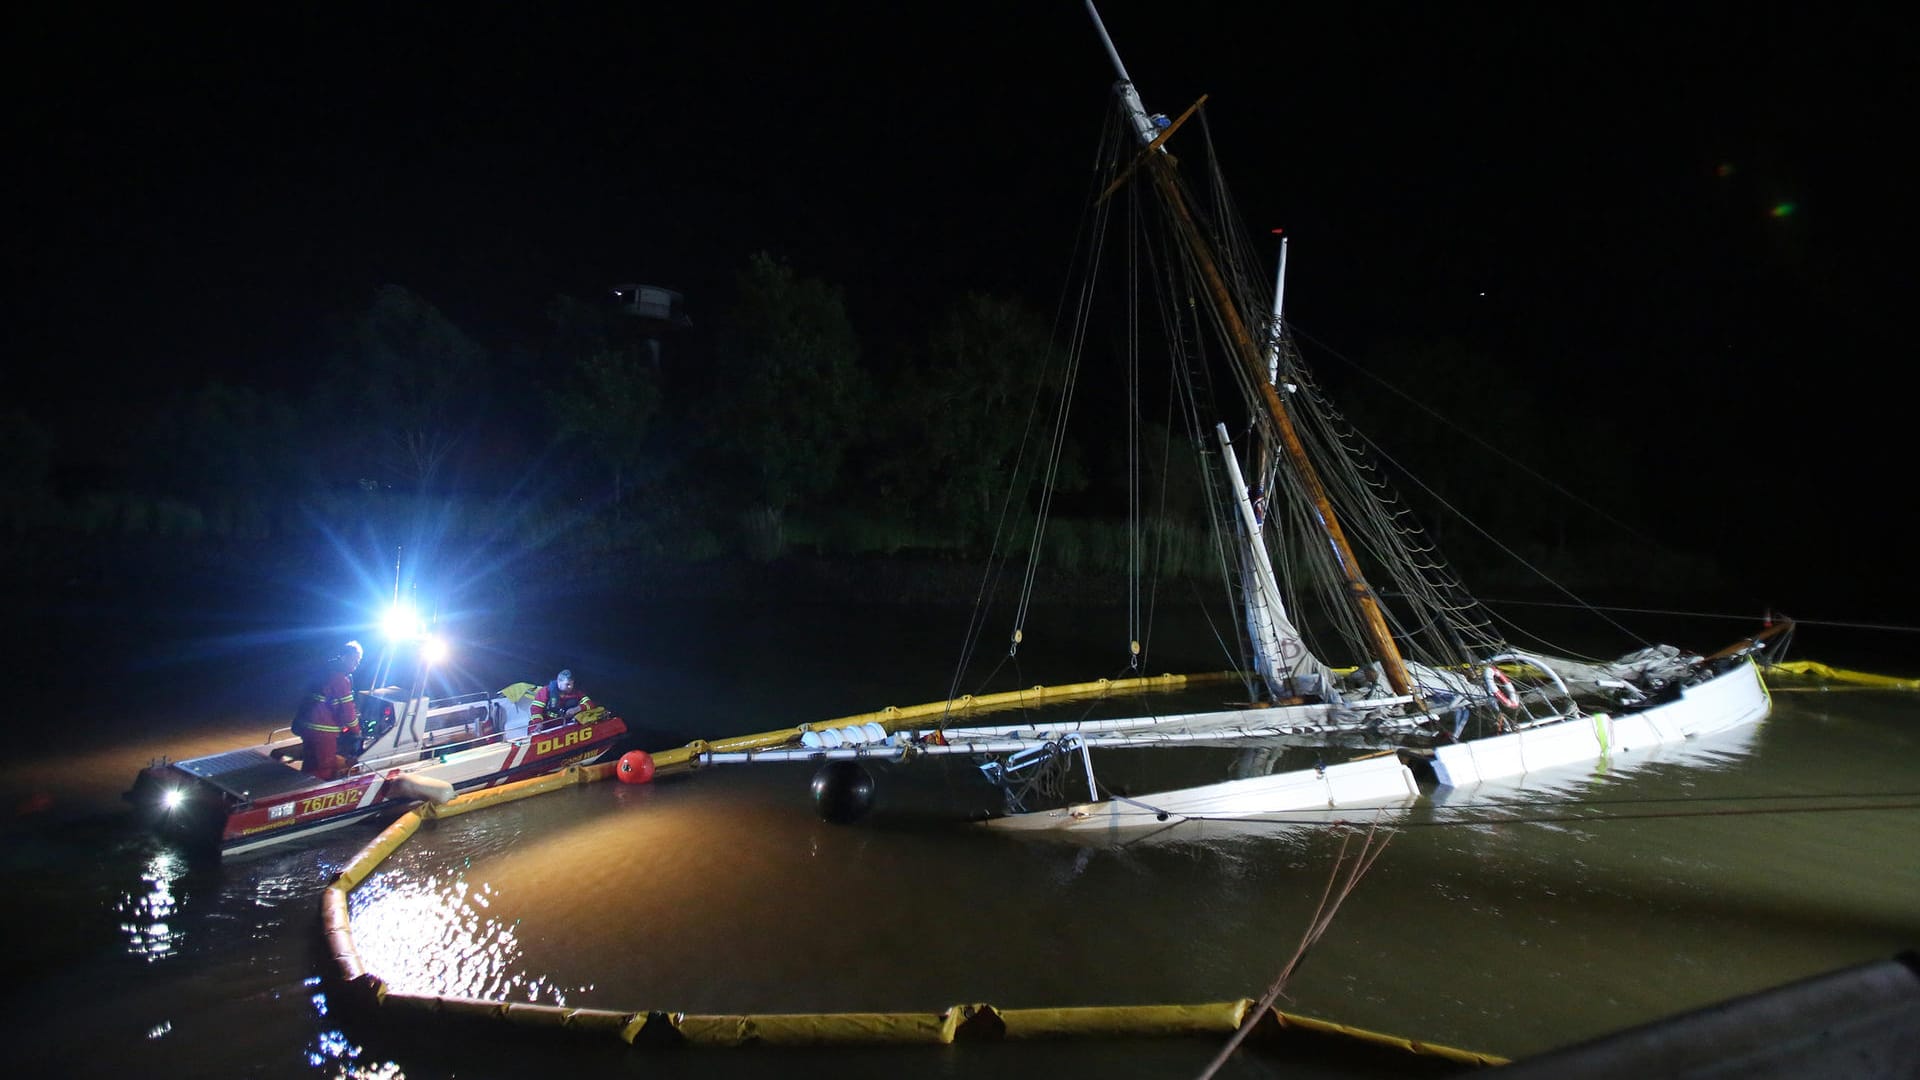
{"x":767,"y":425}
{"x":761,"y":425}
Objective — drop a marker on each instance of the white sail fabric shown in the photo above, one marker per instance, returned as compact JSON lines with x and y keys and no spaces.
{"x":1280,"y":657}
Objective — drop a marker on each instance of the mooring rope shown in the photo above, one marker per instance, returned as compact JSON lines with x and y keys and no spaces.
{"x":1538,"y":819}
{"x":1322,"y":918}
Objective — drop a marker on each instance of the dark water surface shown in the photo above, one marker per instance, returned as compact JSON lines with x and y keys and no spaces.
{"x":1508,"y":920}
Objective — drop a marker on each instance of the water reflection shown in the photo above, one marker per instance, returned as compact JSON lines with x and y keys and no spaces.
{"x":147,"y":912}
{"x":338,"y":1056}
{"x":1568,"y":784}
{"x":1661,"y":882}
{"x":435,"y":935}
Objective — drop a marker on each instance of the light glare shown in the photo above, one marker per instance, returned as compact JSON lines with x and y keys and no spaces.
{"x":403,"y":623}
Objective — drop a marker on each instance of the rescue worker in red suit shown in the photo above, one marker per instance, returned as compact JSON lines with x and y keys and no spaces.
{"x":557,"y":702}
{"x":327,"y":722}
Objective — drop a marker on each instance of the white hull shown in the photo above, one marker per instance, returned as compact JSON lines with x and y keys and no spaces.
{"x":1732,"y":699}
{"x":1380,"y":781}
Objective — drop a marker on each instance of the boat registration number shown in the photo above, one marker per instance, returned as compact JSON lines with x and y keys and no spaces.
{"x":332,"y":800}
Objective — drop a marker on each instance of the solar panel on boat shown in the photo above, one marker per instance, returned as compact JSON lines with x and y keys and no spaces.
{"x":246,"y":774}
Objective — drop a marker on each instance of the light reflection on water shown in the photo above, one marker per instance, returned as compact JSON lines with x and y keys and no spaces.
{"x":147,"y":913}
{"x":333,"y":1053}
{"x":435,"y":935}
{"x":721,"y":892}
{"x":1480,"y":926}
{"x":1685,"y":765}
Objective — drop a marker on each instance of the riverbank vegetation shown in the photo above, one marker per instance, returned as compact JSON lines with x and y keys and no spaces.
{"x":773,"y":428}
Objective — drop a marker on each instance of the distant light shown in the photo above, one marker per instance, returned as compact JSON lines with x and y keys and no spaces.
{"x":172,"y":799}
{"x":1723,"y":170}
{"x":403,"y":623}
{"x":434,"y":649}
{"x":1782,"y":210}
{"x":1483,"y":292}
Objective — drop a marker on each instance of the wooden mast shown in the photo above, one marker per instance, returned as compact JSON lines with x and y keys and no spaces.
{"x":1248,"y":352}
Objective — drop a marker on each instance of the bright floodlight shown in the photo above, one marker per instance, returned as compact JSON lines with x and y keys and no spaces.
{"x":434,"y":650}
{"x":172,"y":799}
{"x":403,"y":622}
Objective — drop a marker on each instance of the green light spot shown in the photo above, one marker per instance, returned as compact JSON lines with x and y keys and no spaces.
{"x":1781,"y":210}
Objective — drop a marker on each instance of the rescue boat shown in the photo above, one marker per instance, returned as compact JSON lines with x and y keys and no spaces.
{"x":414,"y":749}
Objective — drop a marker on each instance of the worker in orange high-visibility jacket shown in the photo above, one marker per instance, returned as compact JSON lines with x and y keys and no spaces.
{"x":327,"y":723}
{"x":557,"y":702}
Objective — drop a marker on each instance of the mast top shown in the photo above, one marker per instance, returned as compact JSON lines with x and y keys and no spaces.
{"x":1146,"y":127}
{"x":1262,"y":371}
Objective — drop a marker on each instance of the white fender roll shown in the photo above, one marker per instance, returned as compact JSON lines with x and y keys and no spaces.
{"x":423,"y":789}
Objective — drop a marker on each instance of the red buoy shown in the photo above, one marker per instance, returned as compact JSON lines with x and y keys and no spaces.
{"x":635,"y":767}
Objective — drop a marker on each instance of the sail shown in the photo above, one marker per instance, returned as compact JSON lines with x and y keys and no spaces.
{"x":1281,"y":657}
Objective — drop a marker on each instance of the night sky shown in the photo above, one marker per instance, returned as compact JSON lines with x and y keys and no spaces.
{"x":1704,"y":218}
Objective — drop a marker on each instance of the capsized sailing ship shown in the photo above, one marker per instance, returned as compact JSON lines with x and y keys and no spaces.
{"x":1402,"y":663}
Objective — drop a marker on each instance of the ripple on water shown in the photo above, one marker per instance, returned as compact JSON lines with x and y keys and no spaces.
{"x":435,"y":936}
{"x":724,"y":893}
{"x":147,"y":912}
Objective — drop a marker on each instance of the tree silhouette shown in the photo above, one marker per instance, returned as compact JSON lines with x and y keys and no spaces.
{"x":971,"y":402}
{"x":609,"y":403}
{"x":791,"y":389}
{"x":406,"y":387}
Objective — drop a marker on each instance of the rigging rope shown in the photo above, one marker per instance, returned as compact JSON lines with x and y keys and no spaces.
{"x":1425,"y":605}
{"x":1132,"y":421}
{"x":1094,"y":236}
{"x":1839,"y":624}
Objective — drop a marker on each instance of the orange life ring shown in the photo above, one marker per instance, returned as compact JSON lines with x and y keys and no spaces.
{"x":1501,"y":688}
